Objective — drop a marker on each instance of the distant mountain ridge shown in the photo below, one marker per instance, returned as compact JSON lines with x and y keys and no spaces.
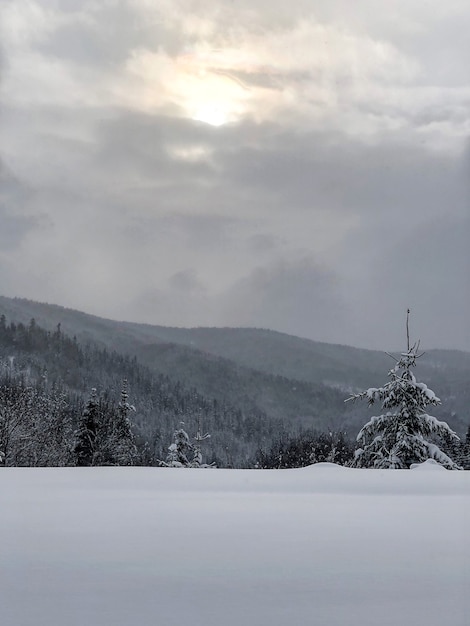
{"x":279,"y":373}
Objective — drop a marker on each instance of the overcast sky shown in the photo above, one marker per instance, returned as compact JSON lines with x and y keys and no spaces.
{"x":302,"y":166}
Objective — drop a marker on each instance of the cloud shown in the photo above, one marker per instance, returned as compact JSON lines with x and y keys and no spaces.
{"x":199,"y":162}
{"x":15,"y":223}
{"x":298,"y":297}
{"x":303,"y":72}
{"x":13,"y":229}
{"x":182,"y":301}
{"x":142,"y":198}
{"x":427,"y":269}
{"x":301,"y":67}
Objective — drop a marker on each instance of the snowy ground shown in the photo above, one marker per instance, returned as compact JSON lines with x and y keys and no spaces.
{"x":323,"y":545}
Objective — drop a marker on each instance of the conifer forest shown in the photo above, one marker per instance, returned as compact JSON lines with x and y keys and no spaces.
{"x":69,"y":402}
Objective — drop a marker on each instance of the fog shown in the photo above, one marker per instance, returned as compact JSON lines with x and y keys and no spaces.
{"x":200,"y":163}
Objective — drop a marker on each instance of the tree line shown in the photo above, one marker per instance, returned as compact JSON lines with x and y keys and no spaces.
{"x":63,"y":403}
{"x":51,"y":369}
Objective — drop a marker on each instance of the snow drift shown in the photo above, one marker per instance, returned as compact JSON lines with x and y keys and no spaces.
{"x":323,"y":545}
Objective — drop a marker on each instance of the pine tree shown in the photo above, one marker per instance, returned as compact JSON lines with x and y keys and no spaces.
{"x":87,"y":432}
{"x":464,"y":459}
{"x":405,"y":434}
{"x":3,"y":327}
{"x":125,"y":451}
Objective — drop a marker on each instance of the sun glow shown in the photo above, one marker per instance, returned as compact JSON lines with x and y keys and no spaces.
{"x":209,"y":95}
{"x":198,"y":85}
{"x":210,"y":113}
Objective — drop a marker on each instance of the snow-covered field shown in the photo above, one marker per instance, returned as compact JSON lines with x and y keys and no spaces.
{"x":323,"y":545}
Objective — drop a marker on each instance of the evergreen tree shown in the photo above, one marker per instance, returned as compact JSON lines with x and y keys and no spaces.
{"x":464,"y":459}
{"x":85,"y":445}
{"x":405,"y":434}
{"x":121,"y":437}
{"x":179,"y":450}
{"x":105,"y":435}
{"x":3,"y":328}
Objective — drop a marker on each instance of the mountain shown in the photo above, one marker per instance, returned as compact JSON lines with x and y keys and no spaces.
{"x":281,"y":375}
{"x":47,"y":379}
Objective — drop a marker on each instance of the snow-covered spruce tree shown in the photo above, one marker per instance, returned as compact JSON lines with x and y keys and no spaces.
{"x":124,"y":448}
{"x":179,"y":450}
{"x":404,"y":434}
{"x":104,"y":436}
{"x":85,"y":435}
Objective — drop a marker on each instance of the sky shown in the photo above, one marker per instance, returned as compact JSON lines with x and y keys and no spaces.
{"x":300,"y":166}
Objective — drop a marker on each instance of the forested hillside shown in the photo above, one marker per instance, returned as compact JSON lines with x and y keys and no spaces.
{"x":264,"y":397}
{"x":50,"y":369}
{"x":261,"y":370}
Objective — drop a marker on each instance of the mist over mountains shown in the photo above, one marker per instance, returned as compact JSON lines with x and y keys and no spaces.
{"x":280,"y":376}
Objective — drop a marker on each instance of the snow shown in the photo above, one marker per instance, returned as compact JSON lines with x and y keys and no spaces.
{"x":323,"y":545}
{"x":429,"y":393}
{"x":429,"y":465}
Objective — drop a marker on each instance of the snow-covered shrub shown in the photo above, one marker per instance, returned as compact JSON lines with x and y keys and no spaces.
{"x":179,"y":451}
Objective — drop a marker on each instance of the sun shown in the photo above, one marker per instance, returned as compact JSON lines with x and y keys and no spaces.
{"x":213,"y":100}
{"x":211,"y":113}
{"x":211,"y":86}
{"x":198,"y":86}
{"x":209,"y":95}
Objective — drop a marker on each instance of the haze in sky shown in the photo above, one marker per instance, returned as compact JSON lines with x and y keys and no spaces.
{"x":301,"y":166}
